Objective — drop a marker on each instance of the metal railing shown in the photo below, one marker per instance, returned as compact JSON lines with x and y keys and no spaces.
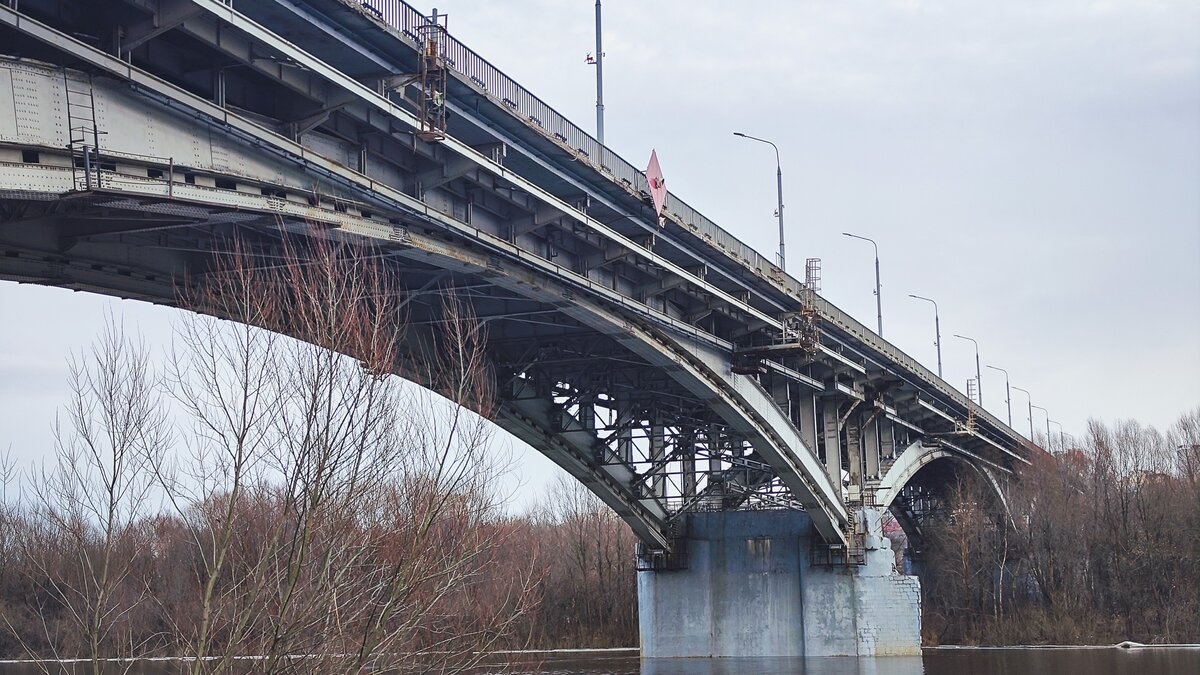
{"x":407,"y":20}
{"x":461,"y":59}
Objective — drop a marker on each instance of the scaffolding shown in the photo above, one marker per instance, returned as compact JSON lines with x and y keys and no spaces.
{"x":434,"y":76}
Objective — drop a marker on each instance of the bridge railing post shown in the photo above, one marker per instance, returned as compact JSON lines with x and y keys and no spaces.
{"x":87,"y":167}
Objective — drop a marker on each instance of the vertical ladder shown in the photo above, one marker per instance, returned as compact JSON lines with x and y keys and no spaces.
{"x":83,"y":133}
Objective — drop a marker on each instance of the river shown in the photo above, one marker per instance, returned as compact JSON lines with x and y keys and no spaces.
{"x":946,"y":661}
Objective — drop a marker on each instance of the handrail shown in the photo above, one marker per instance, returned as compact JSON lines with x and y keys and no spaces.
{"x":478,"y":70}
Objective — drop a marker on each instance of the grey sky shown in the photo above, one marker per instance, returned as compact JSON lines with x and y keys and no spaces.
{"x":1032,"y":166}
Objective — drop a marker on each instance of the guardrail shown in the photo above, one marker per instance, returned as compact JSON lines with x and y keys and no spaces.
{"x":409,"y":21}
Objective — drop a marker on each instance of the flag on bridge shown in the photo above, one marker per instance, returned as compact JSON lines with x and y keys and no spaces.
{"x":658,"y":184}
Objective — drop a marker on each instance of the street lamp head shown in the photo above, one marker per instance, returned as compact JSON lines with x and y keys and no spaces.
{"x":997,"y":368}
{"x":859,"y":236}
{"x":964,"y":337}
{"x":738,"y":133}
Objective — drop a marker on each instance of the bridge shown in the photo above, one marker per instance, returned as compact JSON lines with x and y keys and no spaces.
{"x":714,"y":402}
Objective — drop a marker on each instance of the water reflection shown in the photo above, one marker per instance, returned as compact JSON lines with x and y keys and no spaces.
{"x":899,"y":665}
{"x":1092,"y":661}
{"x":1097,"y":661}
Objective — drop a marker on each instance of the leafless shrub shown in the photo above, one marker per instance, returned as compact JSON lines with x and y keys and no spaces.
{"x":78,"y":543}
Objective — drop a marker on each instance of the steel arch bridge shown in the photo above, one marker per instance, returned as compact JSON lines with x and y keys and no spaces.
{"x":656,"y":358}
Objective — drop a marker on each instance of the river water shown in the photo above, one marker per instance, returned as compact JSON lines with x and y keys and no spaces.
{"x":1017,"y":661}
{"x":1087,"y":661}
{"x":1099,"y":661}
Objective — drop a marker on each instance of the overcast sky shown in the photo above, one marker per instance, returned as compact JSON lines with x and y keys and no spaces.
{"x":1032,"y":166}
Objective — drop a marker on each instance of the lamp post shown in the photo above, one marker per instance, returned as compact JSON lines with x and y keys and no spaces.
{"x":878,"y":296}
{"x":1047,"y":414}
{"x":937,"y":331}
{"x":778,"y":193}
{"x":599,"y":80}
{"x":1061,"y":445}
{"x":1029,"y":399}
{"x":978,"y":373}
{"x":1007,"y":393}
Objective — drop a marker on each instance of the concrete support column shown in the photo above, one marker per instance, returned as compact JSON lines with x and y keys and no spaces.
{"x":749,"y":589}
{"x":867,"y":610}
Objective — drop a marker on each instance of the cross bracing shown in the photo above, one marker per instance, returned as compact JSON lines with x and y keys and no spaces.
{"x":656,"y":361}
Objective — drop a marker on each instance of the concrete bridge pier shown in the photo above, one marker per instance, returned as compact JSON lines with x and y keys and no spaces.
{"x":745,"y":584}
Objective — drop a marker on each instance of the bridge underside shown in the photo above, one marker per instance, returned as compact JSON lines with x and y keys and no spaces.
{"x":657,"y":360}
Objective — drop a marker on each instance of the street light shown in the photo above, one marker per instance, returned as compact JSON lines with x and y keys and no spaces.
{"x":1029,"y":399}
{"x":937,"y":331}
{"x":878,"y":296}
{"x":978,"y":373}
{"x":1007,"y":393}
{"x":599,"y":80}
{"x":779,"y":192}
{"x":1061,"y":445}
{"x":1047,"y":413}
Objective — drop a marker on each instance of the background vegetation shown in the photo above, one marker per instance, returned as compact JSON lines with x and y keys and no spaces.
{"x":1102,"y":545}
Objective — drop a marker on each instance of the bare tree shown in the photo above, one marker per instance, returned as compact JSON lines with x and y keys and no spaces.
{"x":376,"y":494}
{"x":88,"y":503}
{"x":1104,"y":545}
{"x":589,"y":593}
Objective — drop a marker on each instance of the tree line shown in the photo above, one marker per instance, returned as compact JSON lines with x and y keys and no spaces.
{"x":1100,"y":543}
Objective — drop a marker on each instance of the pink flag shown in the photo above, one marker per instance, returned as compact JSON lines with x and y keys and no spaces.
{"x":658,"y":184}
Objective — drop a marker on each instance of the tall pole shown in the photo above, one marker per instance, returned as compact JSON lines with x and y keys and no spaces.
{"x":1007,"y":393}
{"x":937,"y":331}
{"x":1047,"y":413}
{"x":1061,"y":445}
{"x":779,"y":208}
{"x":878,"y":294}
{"x":778,"y":193}
{"x":1029,"y":400}
{"x":978,"y":372}
{"x":599,"y":80}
